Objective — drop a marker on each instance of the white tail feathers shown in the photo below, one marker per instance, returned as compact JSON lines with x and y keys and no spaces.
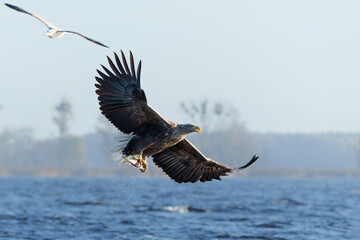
{"x":119,"y":157}
{"x":123,"y":139}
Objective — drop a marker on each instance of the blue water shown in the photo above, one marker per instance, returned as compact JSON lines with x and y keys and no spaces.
{"x":98,"y":208}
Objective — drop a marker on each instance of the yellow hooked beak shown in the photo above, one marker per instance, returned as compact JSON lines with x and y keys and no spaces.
{"x":197,"y":129}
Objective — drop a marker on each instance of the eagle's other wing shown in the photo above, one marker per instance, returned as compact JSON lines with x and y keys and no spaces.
{"x":84,"y":36}
{"x":48,"y":24}
{"x":123,"y":101}
{"x":183,"y":162}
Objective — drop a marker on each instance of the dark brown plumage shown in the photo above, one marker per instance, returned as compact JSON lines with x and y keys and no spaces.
{"x":183,"y":162}
{"x":147,"y":133}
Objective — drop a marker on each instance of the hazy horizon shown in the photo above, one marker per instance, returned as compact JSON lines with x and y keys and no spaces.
{"x":285,"y":66}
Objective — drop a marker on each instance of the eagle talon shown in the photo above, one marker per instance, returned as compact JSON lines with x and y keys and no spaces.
{"x":133,"y":160}
{"x":144,"y":165}
{"x":140,"y":162}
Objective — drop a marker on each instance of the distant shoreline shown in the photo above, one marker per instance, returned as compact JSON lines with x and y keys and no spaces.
{"x":25,"y":171}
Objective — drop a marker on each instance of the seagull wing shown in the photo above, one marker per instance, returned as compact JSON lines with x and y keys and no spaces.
{"x":84,"y":36}
{"x":48,"y":24}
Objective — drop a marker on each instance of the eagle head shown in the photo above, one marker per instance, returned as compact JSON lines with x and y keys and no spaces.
{"x":181,"y":130}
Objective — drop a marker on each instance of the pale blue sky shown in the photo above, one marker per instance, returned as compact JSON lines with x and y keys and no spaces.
{"x":287,"y":66}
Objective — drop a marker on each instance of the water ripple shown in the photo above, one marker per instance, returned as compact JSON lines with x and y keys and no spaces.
{"x":160,"y":209}
{"x":269,"y":225}
{"x":183,"y":209}
{"x":287,"y":201}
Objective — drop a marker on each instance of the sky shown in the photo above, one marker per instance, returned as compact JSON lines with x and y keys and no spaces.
{"x":286,"y":66}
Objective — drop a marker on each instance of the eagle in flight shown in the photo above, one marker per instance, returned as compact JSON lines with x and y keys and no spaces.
{"x":145,"y":133}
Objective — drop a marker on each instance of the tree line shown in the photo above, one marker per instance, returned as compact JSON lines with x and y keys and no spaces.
{"x":18,"y":147}
{"x":224,"y":138}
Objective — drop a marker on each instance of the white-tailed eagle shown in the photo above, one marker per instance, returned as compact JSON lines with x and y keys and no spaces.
{"x":145,"y":133}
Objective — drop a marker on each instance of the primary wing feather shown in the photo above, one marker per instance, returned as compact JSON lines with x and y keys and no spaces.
{"x":48,"y":24}
{"x":183,"y":163}
{"x":122,"y":100}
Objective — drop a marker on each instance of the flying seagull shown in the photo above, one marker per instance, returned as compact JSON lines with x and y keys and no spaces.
{"x":53,"y":31}
{"x":145,"y":133}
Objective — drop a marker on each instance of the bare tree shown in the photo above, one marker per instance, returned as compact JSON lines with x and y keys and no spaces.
{"x":211,"y":117}
{"x":63,"y":116}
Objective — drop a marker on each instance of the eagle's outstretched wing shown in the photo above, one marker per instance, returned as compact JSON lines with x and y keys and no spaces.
{"x":183,"y":162}
{"x":123,"y":101}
